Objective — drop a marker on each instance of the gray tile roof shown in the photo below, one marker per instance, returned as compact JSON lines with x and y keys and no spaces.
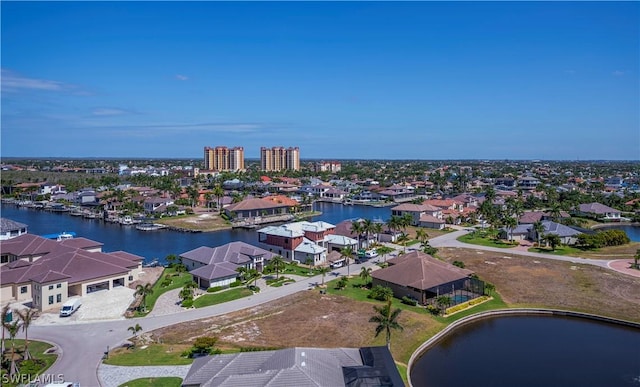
{"x":596,"y":208}
{"x":296,"y":367}
{"x":7,"y":225}
{"x":222,"y":261}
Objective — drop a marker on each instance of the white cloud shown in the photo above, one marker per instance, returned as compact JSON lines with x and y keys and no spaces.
{"x":181,"y":77}
{"x":14,"y":82}
{"x":108,"y":112}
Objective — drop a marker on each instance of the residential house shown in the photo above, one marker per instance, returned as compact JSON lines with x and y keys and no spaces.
{"x":397,"y":193}
{"x":568,"y":235}
{"x":599,"y":212}
{"x":420,"y":276}
{"x":344,"y":228}
{"x":217,"y":266}
{"x":299,"y":241}
{"x":422,"y":215}
{"x":11,"y":229}
{"x":334,"y":367}
{"x":528,"y":182}
{"x":252,"y":208}
{"x":48,"y":272}
{"x":157,"y":205}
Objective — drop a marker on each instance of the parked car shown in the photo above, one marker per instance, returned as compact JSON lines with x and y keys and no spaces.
{"x":371,"y":253}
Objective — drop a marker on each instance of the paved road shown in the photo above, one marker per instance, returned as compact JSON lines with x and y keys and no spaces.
{"x":83,"y":345}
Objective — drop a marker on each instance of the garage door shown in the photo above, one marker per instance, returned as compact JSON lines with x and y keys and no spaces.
{"x":96,"y":287}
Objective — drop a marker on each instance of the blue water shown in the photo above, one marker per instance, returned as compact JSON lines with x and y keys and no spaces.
{"x":533,"y":351}
{"x":633,"y":232}
{"x":459,"y":299}
{"x":158,"y":244}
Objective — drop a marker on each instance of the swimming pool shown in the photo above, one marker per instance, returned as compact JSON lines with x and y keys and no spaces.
{"x":460,"y":298}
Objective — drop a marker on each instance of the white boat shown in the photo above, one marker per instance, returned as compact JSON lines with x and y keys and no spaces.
{"x":126,"y":220}
{"x":149,"y":227}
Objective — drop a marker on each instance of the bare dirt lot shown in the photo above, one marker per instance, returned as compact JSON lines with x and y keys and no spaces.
{"x":200,"y":221}
{"x":311,"y":319}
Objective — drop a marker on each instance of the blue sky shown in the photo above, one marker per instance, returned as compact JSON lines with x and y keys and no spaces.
{"x":412,"y":80}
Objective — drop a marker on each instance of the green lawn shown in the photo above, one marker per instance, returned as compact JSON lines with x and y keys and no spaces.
{"x":178,"y":280}
{"x":154,"y":382}
{"x":560,"y":250}
{"x":297,"y":270}
{"x":36,"y":348}
{"x":477,"y":239}
{"x":279,"y":282}
{"x":155,"y":354}
{"x":220,"y":297}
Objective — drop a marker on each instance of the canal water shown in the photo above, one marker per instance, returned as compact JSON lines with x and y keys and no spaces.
{"x":633,"y":232}
{"x":158,"y":244}
{"x":533,"y":351}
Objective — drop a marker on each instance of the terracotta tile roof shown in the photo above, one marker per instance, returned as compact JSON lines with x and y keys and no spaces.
{"x":282,"y":199}
{"x":409,"y":207}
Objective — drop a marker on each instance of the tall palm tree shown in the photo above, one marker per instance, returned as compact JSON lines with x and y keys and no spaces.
{"x":357,"y":228}
{"x":367,"y":228}
{"x":13,"y":329}
{"x":387,"y":320}
{"x":377,"y":229}
{"x":538,"y":227}
{"x":403,"y":239}
{"x":346,"y":253}
{"x":218,"y":192}
{"x":635,"y":260}
{"x":510,"y":223}
{"x":144,"y":291}
{"x":26,"y":316}
{"x":278,"y":263}
{"x":3,"y":316}
{"x":365,"y":274}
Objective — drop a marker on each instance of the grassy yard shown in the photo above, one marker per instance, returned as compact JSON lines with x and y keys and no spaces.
{"x":560,"y":250}
{"x":220,"y":297}
{"x":297,"y":270}
{"x":486,"y":240}
{"x":36,"y":348}
{"x":155,"y":354}
{"x":154,"y":382}
{"x":178,"y":280}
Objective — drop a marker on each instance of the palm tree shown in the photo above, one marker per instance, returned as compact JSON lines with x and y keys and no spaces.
{"x":403,"y":239}
{"x":538,"y":227}
{"x":510,"y":223}
{"x":347,"y":253}
{"x":278,"y":263}
{"x":635,"y":260}
{"x":26,"y":316}
{"x":377,"y":229}
{"x":365,"y":274}
{"x":242,"y":271}
{"x":384,"y":250}
{"x":13,"y":329}
{"x":357,"y":228}
{"x":421,"y":235}
{"x":553,"y":240}
{"x":323,"y":270}
{"x":3,"y":315}
{"x":135,"y":329}
{"x":367,"y":227}
{"x":218,"y":192}
{"x":144,"y":291}
{"x":386,"y":320}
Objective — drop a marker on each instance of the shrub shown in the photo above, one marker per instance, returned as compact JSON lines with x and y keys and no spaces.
{"x":459,"y":264}
{"x":235,"y":284}
{"x":253,"y":288}
{"x":434,"y":310}
{"x":214,"y":289}
{"x":187,"y":303}
{"x":409,"y":301}
{"x":381,"y":293}
{"x":166,"y":282}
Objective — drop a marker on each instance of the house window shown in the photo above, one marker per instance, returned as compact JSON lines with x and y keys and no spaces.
{"x":59,"y":298}
{"x":58,"y":286}
{"x":23,"y":289}
{"x":50,"y":300}
{"x":50,"y":287}
{"x":130,"y":278}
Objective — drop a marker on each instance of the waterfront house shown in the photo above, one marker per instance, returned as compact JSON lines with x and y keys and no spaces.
{"x":335,"y":367}
{"x":48,"y":272}
{"x":252,"y":210}
{"x":599,"y":211}
{"x":217,"y":266}
{"x":422,"y":215}
{"x":11,"y":229}
{"x":420,"y":276}
{"x":300,"y":241}
{"x":157,"y":205}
